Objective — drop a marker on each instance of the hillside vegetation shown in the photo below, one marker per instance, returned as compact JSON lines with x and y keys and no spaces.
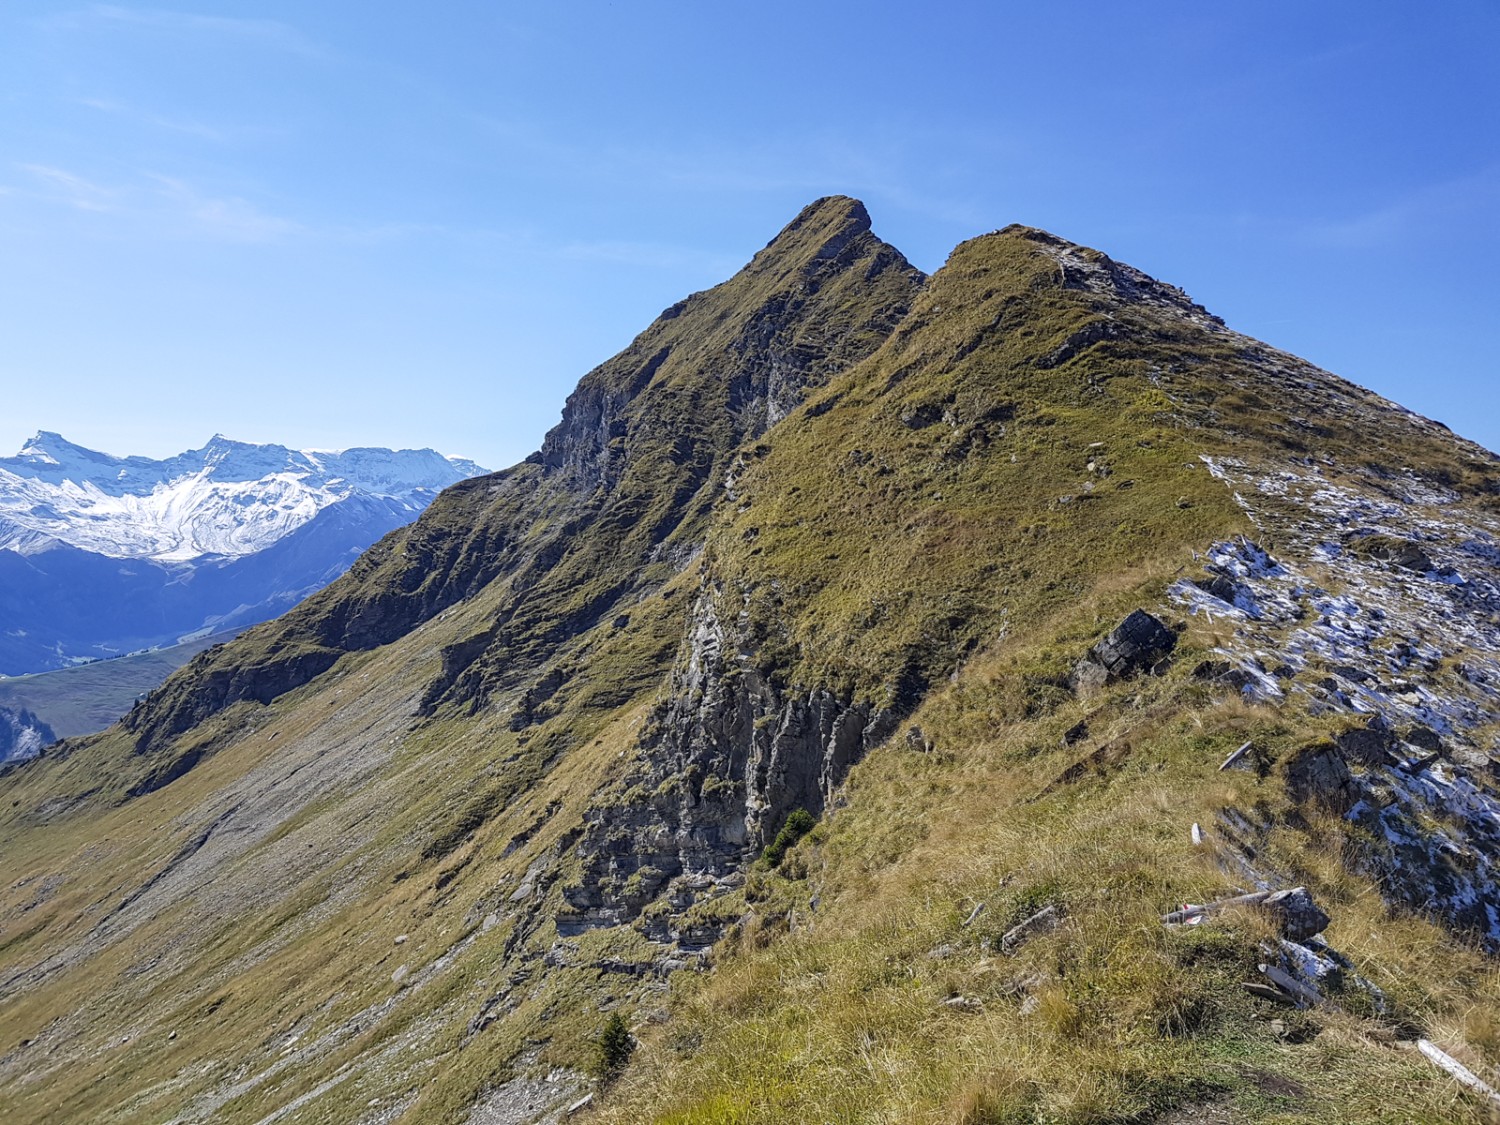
{"x":827,"y":545}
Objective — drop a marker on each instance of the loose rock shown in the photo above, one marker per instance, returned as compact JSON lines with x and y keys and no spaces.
{"x":1044,"y":921}
{"x":1297,"y":916}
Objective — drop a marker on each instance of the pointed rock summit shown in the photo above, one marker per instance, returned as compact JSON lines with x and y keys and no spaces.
{"x":822,"y":228}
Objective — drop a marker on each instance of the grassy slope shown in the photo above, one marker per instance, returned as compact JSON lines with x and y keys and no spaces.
{"x":86,"y":699}
{"x":257,"y":896}
{"x":337,"y":823}
{"x":841,"y":1019}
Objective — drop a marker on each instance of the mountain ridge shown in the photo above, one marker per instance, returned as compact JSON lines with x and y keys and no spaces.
{"x":835,"y":538}
{"x":186,"y":506}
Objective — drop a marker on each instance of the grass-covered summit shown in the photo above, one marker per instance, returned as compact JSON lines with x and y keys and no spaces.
{"x":825,"y":545}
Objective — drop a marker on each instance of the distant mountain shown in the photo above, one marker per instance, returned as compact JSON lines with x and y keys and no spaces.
{"x":103,"y":555}
{"x":230,"y":498}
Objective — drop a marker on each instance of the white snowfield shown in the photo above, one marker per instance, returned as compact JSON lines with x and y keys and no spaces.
{"x":227,"y":499}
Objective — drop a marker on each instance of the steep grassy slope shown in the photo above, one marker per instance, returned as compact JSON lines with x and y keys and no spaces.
{"x":395,"y":856}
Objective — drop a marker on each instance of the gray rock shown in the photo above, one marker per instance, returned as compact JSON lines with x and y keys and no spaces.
{"x":1297,"y":916}
{"x":1318,"y":775}
{"x":1139,"y":643}
{"x":1044,"y":921}
{"x":1424,"y":738}
{"x":1088,"y":677}
{"x":1368,"y":746}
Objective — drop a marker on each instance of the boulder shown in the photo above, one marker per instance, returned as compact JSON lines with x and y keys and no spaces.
{"x":1424,"y":738}
{"x":1297,"y":916}
{"x":1318,"y":775}
{"x":1137,"y":642}
{"x":1369,"y":746}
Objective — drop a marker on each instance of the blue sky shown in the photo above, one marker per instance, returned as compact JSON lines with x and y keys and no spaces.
{"x":328,"y":223}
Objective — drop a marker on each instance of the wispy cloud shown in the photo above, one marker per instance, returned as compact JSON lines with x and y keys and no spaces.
{"x":272,"y":34}
{"x":167,"y":205}
{"x":226,"y":217}
{"x":1420,"y":212}
{"x":170,"y":124}
{"x":74,"y":190}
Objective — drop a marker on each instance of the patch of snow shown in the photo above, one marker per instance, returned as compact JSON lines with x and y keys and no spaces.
{"x":1396,"y":647}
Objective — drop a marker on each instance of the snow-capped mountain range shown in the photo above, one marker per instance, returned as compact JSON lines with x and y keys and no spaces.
{"x":228,"y":498}
{"x":104,"y":555}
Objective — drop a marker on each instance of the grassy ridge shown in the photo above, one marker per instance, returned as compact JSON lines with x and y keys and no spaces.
{"x":967,"y":506}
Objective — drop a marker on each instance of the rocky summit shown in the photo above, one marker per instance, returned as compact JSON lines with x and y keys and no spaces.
{"x":1006,"y":695}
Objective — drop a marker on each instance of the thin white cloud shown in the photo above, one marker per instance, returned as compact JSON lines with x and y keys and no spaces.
{"x":72,"y":189}
{"x":165,"y":206}
{"x":226,"y":217}
{"x":1415,"y":215}
{"x":174,"y":125}
{"x":271,"y":34}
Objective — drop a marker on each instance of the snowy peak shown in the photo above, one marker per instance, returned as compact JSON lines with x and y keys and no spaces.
{"x":227,"y":498}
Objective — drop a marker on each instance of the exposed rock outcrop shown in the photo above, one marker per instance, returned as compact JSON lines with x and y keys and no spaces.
{"x":1409,"y":658}
{"x":727,"y":758}
{"x":1135,"y":645}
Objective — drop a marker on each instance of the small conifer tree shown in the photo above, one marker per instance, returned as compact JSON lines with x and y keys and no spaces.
{"x":614,"y":1046}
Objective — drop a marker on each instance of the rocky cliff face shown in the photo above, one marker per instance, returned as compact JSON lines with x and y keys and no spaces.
{"x":726,"y":757}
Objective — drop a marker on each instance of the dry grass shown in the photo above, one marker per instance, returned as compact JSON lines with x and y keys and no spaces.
{"x":1110,"y":1018}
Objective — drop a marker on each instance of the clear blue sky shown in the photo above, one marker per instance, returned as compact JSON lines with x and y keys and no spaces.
{"x":328,"y":222}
